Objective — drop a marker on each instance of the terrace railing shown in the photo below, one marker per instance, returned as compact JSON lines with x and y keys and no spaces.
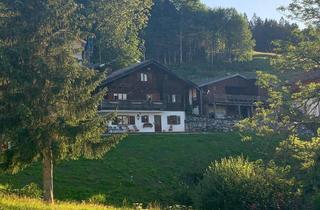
{"x":132,"y":105}
{"x":233,"y":99}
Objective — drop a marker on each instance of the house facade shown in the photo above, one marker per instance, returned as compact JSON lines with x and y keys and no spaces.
{"x":148,"y":97}
{"x":231,"y":97}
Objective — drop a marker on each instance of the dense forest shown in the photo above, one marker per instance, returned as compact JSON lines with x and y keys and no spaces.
{"x":184,"y":32}
{"x":265,"y":32}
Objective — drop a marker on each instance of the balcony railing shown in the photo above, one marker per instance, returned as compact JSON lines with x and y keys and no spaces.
{"x":234,"y":99}
{"x":132,"y":105}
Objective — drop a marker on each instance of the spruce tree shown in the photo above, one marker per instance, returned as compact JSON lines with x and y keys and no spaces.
{"x":49,"y":101}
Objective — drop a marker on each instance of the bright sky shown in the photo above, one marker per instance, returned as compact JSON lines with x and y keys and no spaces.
{"x":263,"y":8}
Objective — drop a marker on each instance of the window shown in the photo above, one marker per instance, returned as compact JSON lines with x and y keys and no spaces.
{"x":174,"y":99}
{"x":194,"y":94}
{"x":174,"y":120}
{"x":145,"y":119}
{"x":143,"y":77}
{"x":120,"y":96}
{"x":132,"y":120}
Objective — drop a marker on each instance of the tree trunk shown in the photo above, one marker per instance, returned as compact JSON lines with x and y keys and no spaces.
{"x":48,"y":176}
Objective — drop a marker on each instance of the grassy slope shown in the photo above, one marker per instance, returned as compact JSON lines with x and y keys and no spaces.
{"x":197,"y":72}
{"x":143,"y":168}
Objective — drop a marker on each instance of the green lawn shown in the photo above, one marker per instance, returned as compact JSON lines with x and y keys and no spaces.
{"x":144,"y":168}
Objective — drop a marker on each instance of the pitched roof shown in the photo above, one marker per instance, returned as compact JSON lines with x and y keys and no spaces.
{"x":247,"y":76}
{"x":118,"y":74}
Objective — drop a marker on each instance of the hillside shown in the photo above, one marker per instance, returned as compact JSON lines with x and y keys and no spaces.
{"x":199,"y":71}
{"x":143,"y":168}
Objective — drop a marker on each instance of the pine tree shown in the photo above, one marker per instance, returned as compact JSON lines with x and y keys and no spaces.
{"x":48,"y":107}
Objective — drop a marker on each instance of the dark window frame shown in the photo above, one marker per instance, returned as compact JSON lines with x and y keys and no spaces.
{"x":174,"y":120}
{"x":145,"y":119}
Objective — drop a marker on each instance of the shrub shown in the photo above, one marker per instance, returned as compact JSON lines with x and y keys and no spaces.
{"x":236,"y":183}
{"x":4,"y":189}
{"x":98,"y":199}
{"x":31,"y":190}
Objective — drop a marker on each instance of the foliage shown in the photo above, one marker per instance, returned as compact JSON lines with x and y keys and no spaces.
{"x":187,"y":32}
{"x":116,"y":26}
{"x":98,"y":199}
{"x":307,"y":11}
{"x":236,"y":182}
{"x":288,"y":111}
{"x":49,"y":100}
{"x":301,"y":55}
{"x":293,"y":103}
{"x":31,"y":190}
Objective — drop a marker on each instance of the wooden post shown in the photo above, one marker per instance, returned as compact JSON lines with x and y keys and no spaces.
{"x":215,"y":110}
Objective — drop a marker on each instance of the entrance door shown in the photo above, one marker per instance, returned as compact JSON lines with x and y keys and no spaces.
{"x":157,"y":123}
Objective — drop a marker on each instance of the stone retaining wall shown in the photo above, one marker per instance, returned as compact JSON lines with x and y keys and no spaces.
{"x":203,"y":124}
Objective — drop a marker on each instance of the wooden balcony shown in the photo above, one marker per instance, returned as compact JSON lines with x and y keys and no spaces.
{"x":225,"y":99}
{"x":133,"y":105}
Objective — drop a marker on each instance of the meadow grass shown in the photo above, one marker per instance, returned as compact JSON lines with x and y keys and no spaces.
{"x":143,"y":168}
{"x":18,"y":203}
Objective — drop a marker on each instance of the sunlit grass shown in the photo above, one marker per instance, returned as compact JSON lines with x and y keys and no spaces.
{"x":17,"y":203}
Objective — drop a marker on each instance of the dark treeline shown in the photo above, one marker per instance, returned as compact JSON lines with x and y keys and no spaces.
{"x":266,"y":31}
{"x":185,"y":31}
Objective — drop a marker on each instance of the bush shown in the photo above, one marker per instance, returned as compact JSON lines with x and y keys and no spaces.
{"x":31,"y":190}
{"x":98,"y":199}
{"x":4,"y":189}
{"x":236,"y":183}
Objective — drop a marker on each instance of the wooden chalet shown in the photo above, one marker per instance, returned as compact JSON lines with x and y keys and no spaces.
{"x":149,"y":97}
{"x":232,"y":96}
